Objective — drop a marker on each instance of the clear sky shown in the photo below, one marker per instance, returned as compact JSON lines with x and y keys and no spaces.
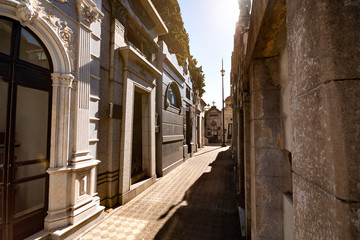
{"x":211,"y":27}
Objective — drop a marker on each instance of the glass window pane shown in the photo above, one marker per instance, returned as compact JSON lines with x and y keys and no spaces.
{"x":29,"y":196}
{"x":3,"y":110}
{"x":31,"y":50}
{"x":30,"y":170}
{"x":31,"y":124}
{"x":5,"y":33}
{"x":1,"y":204}
{"x":173,"y":96}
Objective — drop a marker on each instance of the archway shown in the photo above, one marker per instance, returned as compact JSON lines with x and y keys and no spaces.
{"x":25,"y":117}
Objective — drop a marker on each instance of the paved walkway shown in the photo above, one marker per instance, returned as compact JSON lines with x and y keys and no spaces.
{"x":197,"y":200}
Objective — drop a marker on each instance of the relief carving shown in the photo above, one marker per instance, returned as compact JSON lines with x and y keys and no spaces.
{"x":27,"y":11}
{"x":88,"y":12}
{"x":64,"y":32}
{"x":62,"y":1}
{"x":62,"y":80}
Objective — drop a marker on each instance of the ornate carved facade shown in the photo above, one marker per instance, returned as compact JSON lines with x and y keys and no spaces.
{"x":49,"y":32}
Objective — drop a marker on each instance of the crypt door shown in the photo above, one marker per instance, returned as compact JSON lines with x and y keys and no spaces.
{"x":137,"y":172}
{"x":25,"y":97}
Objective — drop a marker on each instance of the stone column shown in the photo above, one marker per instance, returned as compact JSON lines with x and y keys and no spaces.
{"x":245,"y":138}
{"x":126,"y":131}
{"x":270,"y":177}
{"x":59,"y":154}
{"x":324,"y":60}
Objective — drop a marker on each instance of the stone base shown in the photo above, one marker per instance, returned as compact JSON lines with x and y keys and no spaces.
{"x":110,"y":202}
{"x":186,"y":152}
{"x":71,"y":231}
{"x":136,"y":189}
{"x":192,"y":149}
{"x":171,"y":167}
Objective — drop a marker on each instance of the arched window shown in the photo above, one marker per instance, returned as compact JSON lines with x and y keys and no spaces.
{"x":173,"y":96}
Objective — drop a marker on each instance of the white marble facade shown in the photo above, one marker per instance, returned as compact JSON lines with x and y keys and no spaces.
{"x":70,"y":32}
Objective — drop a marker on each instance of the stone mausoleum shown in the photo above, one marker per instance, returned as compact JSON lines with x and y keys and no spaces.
{"x":296,"y":99}
{"x":49,"y":76}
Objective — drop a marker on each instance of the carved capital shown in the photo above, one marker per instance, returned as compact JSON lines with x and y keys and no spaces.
{"x":88,"y":12}
{"x":62,"y":80}
{"x":27,"y":11}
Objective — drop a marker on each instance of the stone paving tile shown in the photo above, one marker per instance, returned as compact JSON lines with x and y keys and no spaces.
{"x":197,"y":200}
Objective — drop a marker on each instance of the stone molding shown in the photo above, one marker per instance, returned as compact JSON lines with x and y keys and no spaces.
{"x":62,"y":80}
{"x":64,"y":32}
{"x":27,"y":11}
{"x":88,"y":12}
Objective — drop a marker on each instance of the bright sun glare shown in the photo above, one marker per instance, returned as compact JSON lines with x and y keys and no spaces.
{"x":223,"y":12}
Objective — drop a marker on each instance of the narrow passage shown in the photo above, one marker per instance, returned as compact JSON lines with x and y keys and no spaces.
{"x":197,"y":200}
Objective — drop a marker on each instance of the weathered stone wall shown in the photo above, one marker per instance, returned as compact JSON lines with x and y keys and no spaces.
{"x":324,"y":69}
{"x":270,"y":168}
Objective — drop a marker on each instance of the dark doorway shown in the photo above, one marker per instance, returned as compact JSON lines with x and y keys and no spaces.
{"x":137,"y":146}
{"x":188,"y":129}
{"x":25,"y":100}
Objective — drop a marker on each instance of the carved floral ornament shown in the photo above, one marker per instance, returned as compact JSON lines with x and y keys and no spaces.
{"x":28,"y":11}
{"x":64,"y":33}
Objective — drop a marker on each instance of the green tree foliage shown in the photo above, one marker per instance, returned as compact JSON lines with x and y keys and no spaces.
{"x":178,"y":40}
{"x":197,"y":75}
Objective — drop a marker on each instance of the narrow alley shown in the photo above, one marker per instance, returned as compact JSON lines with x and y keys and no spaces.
{"x":197,"y":200}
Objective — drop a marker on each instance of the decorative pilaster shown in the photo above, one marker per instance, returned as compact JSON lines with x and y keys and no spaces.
{"x":59,"y":151}
{"x":84,"y":202}
{"x":87,"y":14}
{"x":60,"y":121}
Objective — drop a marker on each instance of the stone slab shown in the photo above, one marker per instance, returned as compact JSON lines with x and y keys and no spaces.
{"x":323,"y":42}
{"x":326,"y":132}
{"x":320,"y":215}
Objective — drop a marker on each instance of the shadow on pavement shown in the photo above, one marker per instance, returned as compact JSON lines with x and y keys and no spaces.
{"x":208,"y":209}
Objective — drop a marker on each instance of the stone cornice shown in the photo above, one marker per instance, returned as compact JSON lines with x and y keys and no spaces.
{"x":132,"y":55}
